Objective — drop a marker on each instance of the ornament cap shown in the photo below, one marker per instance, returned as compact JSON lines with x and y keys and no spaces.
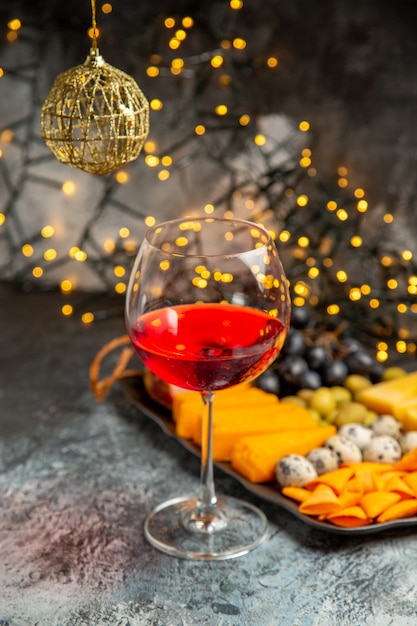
{"x":94,"y":59}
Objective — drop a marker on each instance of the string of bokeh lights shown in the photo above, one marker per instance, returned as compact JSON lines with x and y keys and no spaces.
{"x":335,"y":262}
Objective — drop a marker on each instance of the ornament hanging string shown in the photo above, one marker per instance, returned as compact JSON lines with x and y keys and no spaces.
{"x":94,"y":28}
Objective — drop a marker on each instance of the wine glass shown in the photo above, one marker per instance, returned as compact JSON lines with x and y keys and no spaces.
{"x":207,"y":308}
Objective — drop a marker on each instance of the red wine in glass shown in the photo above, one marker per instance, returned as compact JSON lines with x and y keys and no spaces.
{"x":207,"y":347}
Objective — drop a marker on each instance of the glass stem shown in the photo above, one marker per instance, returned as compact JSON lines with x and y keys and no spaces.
{"x":207,"y":499}
{"x":206,"y":517}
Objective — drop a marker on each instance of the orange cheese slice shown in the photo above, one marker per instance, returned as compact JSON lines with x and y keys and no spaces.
{"x":399,"y":510}
{"x":187,"y":407}
{"x":230,"y":425}
{"x":255,"y":457}
{"x":351,"y":517}
{"x":337,"y":479}
{"x":322,"y":501}
{"x":375,"y":502}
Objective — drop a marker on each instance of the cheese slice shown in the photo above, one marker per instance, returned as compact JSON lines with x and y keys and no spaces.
{"x":409,"y":419}
{"x":401,"y":410}
{"x":384,"y":397}
{"x":231,"y":424}
{"x":187,"y":408}
{"x":255,"y":457}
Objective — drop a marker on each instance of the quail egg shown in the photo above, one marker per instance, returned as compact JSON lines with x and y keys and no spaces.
{"x":294,"y":470}
{"x":358,"y":433}
{"x":408,"y":441}
{"x":346,"y":450}
{"x":383,"y":449}
{"x":323,"y":460}
{"x":386,"y":425}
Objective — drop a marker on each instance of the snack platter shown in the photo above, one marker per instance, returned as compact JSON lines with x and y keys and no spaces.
{"x":134,"y":390}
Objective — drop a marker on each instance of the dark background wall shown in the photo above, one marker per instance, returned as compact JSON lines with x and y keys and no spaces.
{"x":349,"y":67}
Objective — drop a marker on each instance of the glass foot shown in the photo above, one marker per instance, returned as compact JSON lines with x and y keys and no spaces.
{"x":235,"y":528}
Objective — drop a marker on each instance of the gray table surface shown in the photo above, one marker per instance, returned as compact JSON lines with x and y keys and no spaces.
{"x":77,"y":479}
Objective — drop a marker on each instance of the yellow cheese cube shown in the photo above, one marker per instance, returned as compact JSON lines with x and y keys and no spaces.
{"x":384,"y":397}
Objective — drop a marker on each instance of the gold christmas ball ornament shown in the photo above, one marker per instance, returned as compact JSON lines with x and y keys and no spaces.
{"x":95,"y":117}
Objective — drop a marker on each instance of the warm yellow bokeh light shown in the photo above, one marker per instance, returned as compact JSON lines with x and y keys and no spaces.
{"x":67,"y":310}
{"x":164,"y":175}
{"x":356,"y":241}
{"x":284,"y":236}
{"x":47,"y":231}
{"x":151,"y":160}
{"x":27,"y":250}
{"x":177,"y":63}
{"x":174,"y":43}
{"x":119,"y":271}
{"x":50,"y":254}
{"x":217,"y":61}
{"x":156,"y":104}
{"x":66,"y":285}
{"x":272,"y":62}
{"x":87,"y":317}
{"x":362,"y":206}
{"x":259,"y":140}
{"x":341,"y":276}
{"x":169,"y":22}
{"x":221,"y":109}
{"x":333,"y":309}
{"x":342,"y":215}
{"x":68,"y":187}
{"x":303,"y":241}
{"x":200,"y":129}
{"x":122,"y":177}
{"x":355,"y":294}
{"x":150,"y":146}
{"x":313,"y":272}
{"x":302,"y":200}
{"x":93,"y":33}
{"x":120,"y":288}
{"x":80,"y":256}
{"x":14,"y":24}
{"x":37,"y":272}
{"x":152,"y":71}
{"x":239,"y":43}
